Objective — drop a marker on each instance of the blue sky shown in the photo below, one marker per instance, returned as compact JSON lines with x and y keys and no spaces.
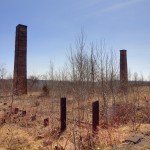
{"x":54,"y":24}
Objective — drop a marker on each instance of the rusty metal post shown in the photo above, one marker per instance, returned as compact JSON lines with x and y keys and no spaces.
{"x":16,"y":110}
{"x":123,"y":70}
{"x":95,"y":115}
{"x":20,"y":62}
{"x":46,"y":122}
{"x":63,"y":113}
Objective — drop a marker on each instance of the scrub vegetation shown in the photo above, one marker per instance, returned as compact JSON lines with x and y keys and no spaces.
{"x":91,"y":73}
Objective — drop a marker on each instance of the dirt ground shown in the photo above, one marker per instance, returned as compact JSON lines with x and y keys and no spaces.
{"x":19,"y":131}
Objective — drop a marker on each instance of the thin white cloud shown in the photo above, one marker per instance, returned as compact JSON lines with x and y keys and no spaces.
{"x":116,"y":6}
{"x":86,"y":4}
{"x":121,"y":5}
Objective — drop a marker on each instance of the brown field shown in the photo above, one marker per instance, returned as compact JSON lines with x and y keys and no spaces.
{"x":20,"y":131}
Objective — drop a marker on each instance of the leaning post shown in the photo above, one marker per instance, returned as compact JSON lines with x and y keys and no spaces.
{"x":63,"y":113}
{"x":95,"y":116}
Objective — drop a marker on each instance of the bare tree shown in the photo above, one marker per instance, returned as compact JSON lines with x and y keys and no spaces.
{"x":93,"y":68}
{"x":3,"y":72}
{"x":33,"y":82}
{"x":4,"y":88}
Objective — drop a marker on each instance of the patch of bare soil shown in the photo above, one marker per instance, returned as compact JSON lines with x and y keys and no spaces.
{"x":135,"y":140}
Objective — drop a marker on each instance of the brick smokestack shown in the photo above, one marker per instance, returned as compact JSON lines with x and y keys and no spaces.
{"x":20,"y":63}
{"x":123,"y":70}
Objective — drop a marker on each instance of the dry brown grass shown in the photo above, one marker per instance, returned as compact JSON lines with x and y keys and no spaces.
{"x":22,"y":133}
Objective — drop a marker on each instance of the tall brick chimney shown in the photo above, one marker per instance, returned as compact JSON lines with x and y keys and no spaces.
{"x":123,"y":70}
{"x":20,"y":62}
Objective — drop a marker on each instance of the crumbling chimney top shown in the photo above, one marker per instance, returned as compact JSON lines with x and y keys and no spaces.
{"x":123,"y":50}
{"x":21,"y":25}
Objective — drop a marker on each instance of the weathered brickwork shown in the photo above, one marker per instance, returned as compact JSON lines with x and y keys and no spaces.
{"x":123,"y":70}
{"x":20,"y":63}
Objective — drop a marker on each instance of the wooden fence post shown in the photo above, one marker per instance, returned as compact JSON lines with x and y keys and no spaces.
{"x":95,"y":115}
{"x":63,"y":113}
